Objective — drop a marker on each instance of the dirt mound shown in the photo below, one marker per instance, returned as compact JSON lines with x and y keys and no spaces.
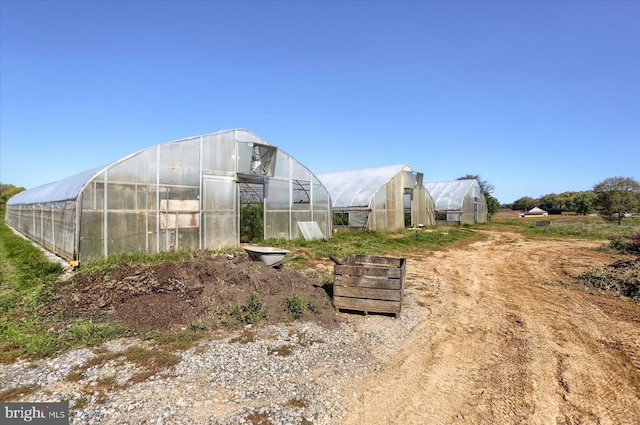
{"x":621,"y":277}
{"x":175,"y":295}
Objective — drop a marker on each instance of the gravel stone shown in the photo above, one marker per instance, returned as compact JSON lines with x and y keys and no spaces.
{"x":290,"y":373}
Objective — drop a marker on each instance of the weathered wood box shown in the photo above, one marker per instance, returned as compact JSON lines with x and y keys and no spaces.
{"x":369,"y":284}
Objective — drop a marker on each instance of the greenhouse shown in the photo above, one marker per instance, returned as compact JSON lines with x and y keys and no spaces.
{"x":458,"y":201}
{"x":378,"y":198}
{"x":205,"y":192}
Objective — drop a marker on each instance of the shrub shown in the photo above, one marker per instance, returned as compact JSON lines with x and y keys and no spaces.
{"x":629,"y":244}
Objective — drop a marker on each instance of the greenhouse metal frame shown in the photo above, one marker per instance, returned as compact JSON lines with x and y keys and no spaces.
{"x":379,"y":198}
{"x":181,"y":195}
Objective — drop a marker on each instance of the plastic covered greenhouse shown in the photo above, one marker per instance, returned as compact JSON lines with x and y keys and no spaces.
{"x":378,"y":198}
{"x":203,"y":192}
{"x":458,"y":201}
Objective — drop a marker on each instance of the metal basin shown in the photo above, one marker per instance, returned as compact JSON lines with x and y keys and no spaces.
{"x":270,"y":256}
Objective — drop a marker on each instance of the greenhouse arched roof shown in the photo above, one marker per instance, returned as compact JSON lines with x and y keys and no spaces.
{"x":356,"y":187}
{"x":448,"y":196}
{"x":69,"y":188}
{"x":61,"y":190}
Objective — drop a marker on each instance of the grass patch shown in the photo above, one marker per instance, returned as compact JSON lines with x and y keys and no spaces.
{"x":85,"y":333}
{"x":575,"y":227}
{"x":395,"y":243}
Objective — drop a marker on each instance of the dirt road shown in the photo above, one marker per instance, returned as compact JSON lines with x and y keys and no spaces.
{"x":499,"y":346}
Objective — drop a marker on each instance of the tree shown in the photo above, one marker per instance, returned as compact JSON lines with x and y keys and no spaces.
{"x":584,"y":202}
{"x":486,"y":188}
{"x":7,"y":191}
{"x":525,"y":203}
{"x":493,"y":205}
{"x":561,"y":202}
{"x":617,"y":196}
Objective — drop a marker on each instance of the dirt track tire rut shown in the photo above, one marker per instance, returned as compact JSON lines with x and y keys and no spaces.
{"x":499,"y":346}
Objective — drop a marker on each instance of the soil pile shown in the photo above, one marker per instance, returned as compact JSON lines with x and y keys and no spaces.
{"x":194,"y":292}
{"x":621,"y":277}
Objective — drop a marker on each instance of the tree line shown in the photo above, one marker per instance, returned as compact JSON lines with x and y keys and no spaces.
{"x":613,"y":198}
{"x":7,"y":191}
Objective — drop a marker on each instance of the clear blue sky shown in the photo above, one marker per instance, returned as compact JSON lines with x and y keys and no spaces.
{"x":536,"y":97}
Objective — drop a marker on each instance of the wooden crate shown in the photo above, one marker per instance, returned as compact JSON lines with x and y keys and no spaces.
{"x":369,"y":284}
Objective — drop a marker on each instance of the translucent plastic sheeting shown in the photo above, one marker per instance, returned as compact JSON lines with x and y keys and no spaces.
{"x":61,"y":190}
{"x":449,"y":195}
{"x":356,"y":188}
{"x":179,"y":195}
{"x":380,"y":198}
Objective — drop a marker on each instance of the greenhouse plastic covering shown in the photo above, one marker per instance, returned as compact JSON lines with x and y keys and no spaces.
{"x":62,"y":190}
{"x":356,"y":188}
{"x":449,"y":195}
{"x":182,"y":195}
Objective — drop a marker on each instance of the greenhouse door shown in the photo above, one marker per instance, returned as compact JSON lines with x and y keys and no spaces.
{"x":251,"y":194}
{"x":408,"y":207}
{"x":179,"y":218}
{"x":219,"y":216}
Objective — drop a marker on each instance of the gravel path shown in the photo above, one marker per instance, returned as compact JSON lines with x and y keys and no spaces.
{"x":297,"y":373}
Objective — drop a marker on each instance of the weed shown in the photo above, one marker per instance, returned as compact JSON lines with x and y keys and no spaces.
{"x":252,"y":313}
{"x":628,"y":244}
{"x":245,"y":337}
{"x":257,"y":418}
{"x":176,"y":340}
{"x":80,"y":403}
{"x":197,"y":326}
{"x":75,"y":376}
{"x":152,"y":360}
{"x":283,"y":351}
{"x":295,"y":305}
{"x":297,"y":402}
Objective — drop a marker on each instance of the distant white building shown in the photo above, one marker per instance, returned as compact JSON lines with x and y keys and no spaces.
{"x":535,"y":212}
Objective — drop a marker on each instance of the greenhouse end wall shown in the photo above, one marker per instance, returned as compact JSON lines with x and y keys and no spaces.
{"x":181,"y":195}
{"x":388,"y":206}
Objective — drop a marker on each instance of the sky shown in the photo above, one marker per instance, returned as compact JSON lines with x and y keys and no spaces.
{"x":535,"y":97}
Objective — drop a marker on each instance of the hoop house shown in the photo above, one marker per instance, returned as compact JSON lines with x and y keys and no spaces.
{"x":458,"y":201}
{"x":181,"y":195}
{"x":378,"y":198}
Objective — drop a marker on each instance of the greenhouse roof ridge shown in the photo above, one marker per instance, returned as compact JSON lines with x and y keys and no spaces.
{"x":68,"y":188}
{"x":61,"y":190}
{"x":356,"y":187}
{"x":448,"y":195}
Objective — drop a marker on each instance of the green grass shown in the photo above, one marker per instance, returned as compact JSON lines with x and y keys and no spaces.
{"x":393,"y":243}
{"x":25,"y":276}
{"x":24,"y":272}
{"x":572,"y":227}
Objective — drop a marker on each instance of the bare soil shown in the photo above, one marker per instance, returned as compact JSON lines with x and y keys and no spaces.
{"x":509,"y":337}
{"x":191,"y":293}
{"x":509,"y":333}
